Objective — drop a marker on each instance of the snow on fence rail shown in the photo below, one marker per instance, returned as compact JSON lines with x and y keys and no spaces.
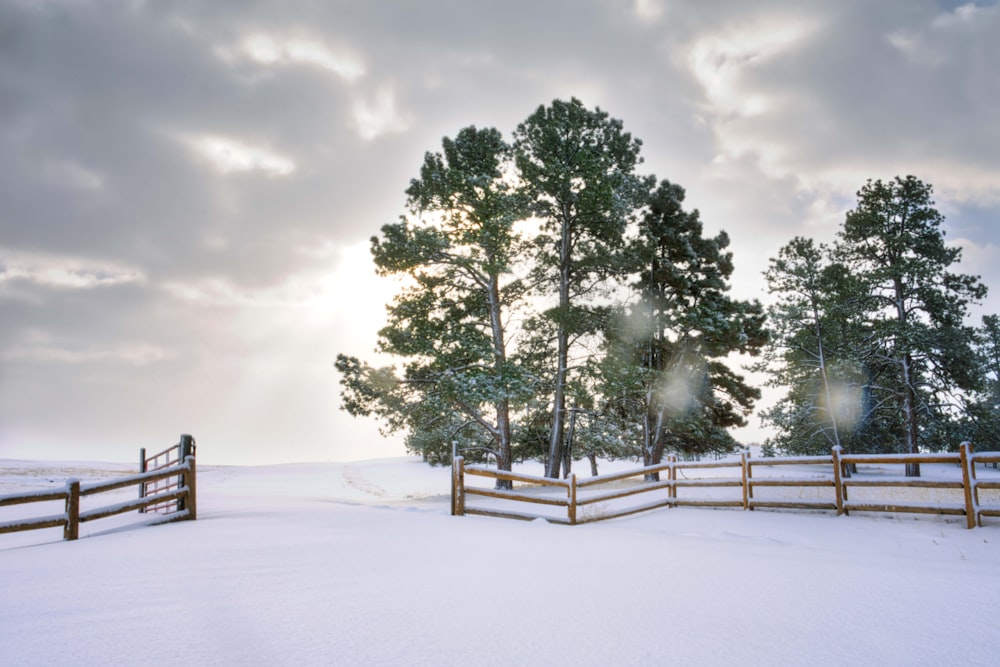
{"x":178,"y":485}
{"x":597,"y":498}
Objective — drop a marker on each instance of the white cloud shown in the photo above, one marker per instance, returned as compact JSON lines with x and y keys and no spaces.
{"x":947,"y":35}
{"x":963,"y":15}
{"x":720,"y":60}
{"x":379,"y":115}
{"x":74,"y":176}
{"x":230,"y":156}
{"x":648,"y":10}
{"x":129,"y":355}
{"x":272,"y":50}
{"x":63,"y":272}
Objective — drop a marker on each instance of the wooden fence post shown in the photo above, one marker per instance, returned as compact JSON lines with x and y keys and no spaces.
{"x":571,"y":505}
{"x":969,"y":485}
{"x":747,"y":492}
{"x":142,"y":485}
{"x":187,"y":446}
{"x":838,"y":480}
{"x":191,"y":482}
{"x":72,"y":529}
{"x":457,"y":485}
{"x":672,"y":460}
{"x":454,"y":463}
{"x":185,"y":451}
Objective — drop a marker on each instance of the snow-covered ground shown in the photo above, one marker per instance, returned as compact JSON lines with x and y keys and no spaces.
{"x":361,"y":564}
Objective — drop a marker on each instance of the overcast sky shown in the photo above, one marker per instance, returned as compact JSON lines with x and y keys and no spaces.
{"x":187,"y":189}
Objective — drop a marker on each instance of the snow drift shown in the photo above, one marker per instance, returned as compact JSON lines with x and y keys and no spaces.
{"x":361,"y":564}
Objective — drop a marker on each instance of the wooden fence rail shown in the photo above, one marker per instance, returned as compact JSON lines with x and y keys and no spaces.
{"x":573,"y":495}
{"x":182,"y":489}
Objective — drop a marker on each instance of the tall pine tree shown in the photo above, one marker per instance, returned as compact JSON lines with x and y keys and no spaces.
{"x":577,"y":166}
{"x":457,"y":249}
{"x":677,"y":335}
{"x":915,"y":305}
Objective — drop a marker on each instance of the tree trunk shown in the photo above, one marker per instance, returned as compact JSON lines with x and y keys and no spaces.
{"x":653,"y":442}
{"x":910,"y":424}
{"x":825,"y":375}
{"x":556,"y":436}
{"x":503,"y":452}
{"x":910,"y":415}
{"x":567,"y":458}
{"x":558,"y":414}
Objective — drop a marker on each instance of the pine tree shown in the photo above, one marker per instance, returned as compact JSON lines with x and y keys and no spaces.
{"x":813,"y":351}
{"x":982,"y":426}
{"x":679,"y":332}
{"x":921,"y":349}
{"x":457,"y":248}
{"x":577,"y":167}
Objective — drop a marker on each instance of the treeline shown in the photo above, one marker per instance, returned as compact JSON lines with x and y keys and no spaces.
{"x":869,"y":337}
{"x":558,"y":304}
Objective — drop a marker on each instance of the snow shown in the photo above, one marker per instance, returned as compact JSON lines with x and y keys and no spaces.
{"x":361,"y":564}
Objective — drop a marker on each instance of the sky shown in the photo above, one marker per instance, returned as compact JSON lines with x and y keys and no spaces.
{"x":188,"y":189}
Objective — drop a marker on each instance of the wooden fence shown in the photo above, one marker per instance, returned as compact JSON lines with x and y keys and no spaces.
{"x":175,"y":483}
{"x":576,"y":495}
{"x":171,"y":456}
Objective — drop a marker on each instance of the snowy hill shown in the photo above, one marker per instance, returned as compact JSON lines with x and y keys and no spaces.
{"x":361,"y":564}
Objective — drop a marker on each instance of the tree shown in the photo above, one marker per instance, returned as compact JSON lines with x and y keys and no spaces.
{"x":982,"y":426}
{"x":577,"y":166}
{"x":678,"y":333}
{"x":814,"y":338}
{"x":894,"y":242}
{"x":457,"y":249}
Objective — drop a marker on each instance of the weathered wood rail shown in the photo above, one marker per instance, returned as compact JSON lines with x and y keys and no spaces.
{"x":576,"y":495}
{"x":179,"y":486}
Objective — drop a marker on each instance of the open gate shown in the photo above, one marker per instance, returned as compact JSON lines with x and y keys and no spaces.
{"x":171,"y":456}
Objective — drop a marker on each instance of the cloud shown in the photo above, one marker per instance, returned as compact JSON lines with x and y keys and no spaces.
{"x":230,"y":156}
{"x":720,"y":61}
{"x":379,"y":115}
{"x":131,"y":355}
{"x":648,"y":10}
{"x":191,"y":186}
{"x":268,"y":49}
{"x":74,"y":176}
{"x":57,"y":272}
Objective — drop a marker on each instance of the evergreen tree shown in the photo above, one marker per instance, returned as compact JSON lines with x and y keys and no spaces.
{"x":920,"y":348}
{"x":457,"y":248}
{"x":814,"y":341}
{"x":679,"y":332}
{"x":982,"y":426}
{"x":577,"y":166}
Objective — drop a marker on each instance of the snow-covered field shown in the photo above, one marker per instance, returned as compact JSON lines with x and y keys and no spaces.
{"x":361,"y":564}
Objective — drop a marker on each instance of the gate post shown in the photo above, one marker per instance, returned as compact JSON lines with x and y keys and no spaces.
{"x":142,"y":469}
{"x":187,"y":446}
{"x":186,"y":453}
{"x":190,"y":481}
